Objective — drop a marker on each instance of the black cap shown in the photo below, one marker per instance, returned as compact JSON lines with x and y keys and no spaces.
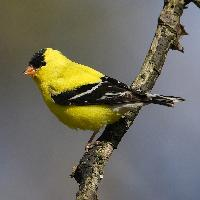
{"x":37,"y":60}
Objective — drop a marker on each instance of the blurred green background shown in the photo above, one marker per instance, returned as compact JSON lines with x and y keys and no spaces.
{"x":158,"y":158}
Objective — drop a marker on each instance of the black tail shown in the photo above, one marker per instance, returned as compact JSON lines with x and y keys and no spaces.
{"x":164,"y":100}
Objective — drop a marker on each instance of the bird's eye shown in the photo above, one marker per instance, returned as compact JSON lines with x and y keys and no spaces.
{"x":37,"y":60}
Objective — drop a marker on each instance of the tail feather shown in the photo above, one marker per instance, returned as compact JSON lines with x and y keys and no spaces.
{"x":164,"y":100}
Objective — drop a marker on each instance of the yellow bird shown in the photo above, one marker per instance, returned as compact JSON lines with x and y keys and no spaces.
{"x":81,"y":97}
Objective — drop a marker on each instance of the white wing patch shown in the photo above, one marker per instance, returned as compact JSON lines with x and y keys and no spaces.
{"x":86,"y":92}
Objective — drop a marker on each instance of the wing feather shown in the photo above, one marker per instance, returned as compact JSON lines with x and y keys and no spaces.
{"x":109,"y":91}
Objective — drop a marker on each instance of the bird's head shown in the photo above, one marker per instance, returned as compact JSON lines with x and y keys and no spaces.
{"x":45,"y":61}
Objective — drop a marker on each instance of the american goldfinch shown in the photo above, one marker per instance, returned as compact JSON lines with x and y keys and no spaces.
{"x":81,"y":97}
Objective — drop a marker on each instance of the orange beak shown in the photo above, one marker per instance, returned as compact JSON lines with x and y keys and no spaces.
{"x":30,"y":71}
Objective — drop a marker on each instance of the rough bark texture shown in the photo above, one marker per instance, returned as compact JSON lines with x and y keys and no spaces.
{"x":89,"y":172}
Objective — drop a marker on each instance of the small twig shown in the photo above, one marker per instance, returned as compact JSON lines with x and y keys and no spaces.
{"x":89,"y":172}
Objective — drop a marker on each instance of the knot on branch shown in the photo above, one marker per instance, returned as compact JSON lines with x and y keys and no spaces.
{"x":180,"y":31}
{"x":77,"y":174}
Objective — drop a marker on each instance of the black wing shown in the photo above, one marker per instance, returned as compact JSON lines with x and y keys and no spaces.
{"x":108,"y":92}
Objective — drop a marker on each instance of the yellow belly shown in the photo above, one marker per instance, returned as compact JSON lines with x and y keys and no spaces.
{"x":91,"y":117}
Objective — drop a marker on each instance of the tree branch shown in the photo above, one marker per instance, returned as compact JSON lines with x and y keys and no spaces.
{"x":90,"y":172}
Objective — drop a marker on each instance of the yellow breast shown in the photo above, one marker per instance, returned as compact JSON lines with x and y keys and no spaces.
{"x":85,"y":117}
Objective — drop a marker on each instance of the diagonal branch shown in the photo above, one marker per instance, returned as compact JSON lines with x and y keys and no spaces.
{"x":90,"y":172}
